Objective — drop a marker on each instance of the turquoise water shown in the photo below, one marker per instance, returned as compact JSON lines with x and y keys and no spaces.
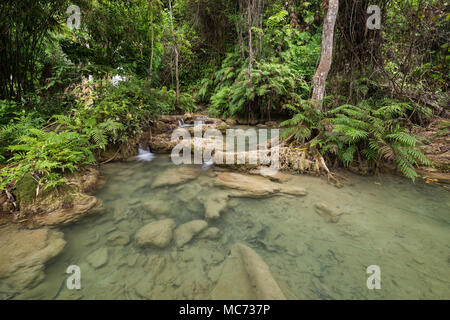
{"x":387,"y":221}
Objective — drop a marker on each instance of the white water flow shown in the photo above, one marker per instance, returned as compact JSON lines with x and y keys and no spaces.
{"x":181,"y":123}
{"x":144,"y":154}
{"x":388,"y":221}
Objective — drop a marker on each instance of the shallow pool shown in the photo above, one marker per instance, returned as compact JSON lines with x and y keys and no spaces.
{"x":387,"y":221}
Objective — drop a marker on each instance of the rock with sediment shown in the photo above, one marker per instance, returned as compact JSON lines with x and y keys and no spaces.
{"x":157,"y":208}
{"x":24,"y":253}
{"x":326,"y":213}
{"x":266,"y":287}
{"x":252,"y":186}
{"x":215,"y":205}
{"x":185,"y":232}
{"x":158,"y":234}
{"x":245,"y":276}
{"x":278,"y":177}
{"x":98,"y":258}
{"x":118,"y":238}
{"x":82,"y":206}
{"x":154,"y":266}
{"x":210,"y":233}
{"x":233,"y":282}
{"x":176,"y":176}
{"x":293,"y":190}
{"x":255,"y":186}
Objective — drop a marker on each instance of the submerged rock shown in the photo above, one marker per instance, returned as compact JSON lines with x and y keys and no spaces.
{"x":255,"y":186}
{"x":24,"y":254}
{"x":185,"y":232}
{"x":83,"y":206}
{"x":245,"y":276}
{"x":154,"y":266}
{"x":233,"y":282}
{"x":326,"y":213}
{"x":252,"y":186}
{"x":157,"y":207}
{"x":278,"y":177}
{"x":157,"y":233}
{"x":98,"y":258}
{"x":210,"y":233}
{"x":176,"y":176}
{"x":265,"y":286}
{"x":118,"y":238}
{"x":293,"y":190}
{"x":214,"y":205}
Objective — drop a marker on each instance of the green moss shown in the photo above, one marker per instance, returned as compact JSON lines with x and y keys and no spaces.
{"x":26,"y":190}
{"x":222,"y":127}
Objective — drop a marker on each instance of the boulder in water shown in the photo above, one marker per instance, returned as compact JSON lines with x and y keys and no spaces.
{"x":98,"y":258}
{"x":326,"y":213}
{"x":185,"y":232}
{"x":157,"y":233}
{"x":24,"y":253}
{"x":64,"y":216}
{"x":265,"y":285}
{"x":245,"y":276}
{"x":210,"y":233}
{"x":118,"y":238}
{"x":251,"y":186}
{"x":176,"y":176}
{"x":215,"y":204}
{"x":255,"y":186}
{"x":157,"y":208}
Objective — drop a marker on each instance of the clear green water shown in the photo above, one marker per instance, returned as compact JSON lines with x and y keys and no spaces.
{"x":389,"y":222}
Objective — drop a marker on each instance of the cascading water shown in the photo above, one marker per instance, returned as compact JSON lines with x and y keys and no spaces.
{"x":208,"y":164}
{"x":144,"y":154}
{"x":182,"y":124}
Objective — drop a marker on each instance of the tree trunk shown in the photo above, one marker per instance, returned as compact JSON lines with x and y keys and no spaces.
{"x":250,"y":53}
{"x":321,"y":74}
{"x":151,"y":57}
{"x":250,"y":44}
{"x":176,"y":54}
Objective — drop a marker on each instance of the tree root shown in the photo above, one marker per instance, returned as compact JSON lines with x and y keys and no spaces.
{"x":113,"y":157}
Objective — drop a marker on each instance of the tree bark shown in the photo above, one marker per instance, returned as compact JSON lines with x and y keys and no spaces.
{"x":321,"y":74}
{"x":176,"y":54}
{"x":250,"y":54}
{"x":151,"y":56}
{"x":250,"y":43}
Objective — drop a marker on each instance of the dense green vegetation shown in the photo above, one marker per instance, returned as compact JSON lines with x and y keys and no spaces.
{"x":246,"y":59}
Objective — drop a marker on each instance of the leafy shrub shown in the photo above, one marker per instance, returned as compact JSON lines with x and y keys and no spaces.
{"x":11,"y":132}
{"x":365,"y":131}
{"x":376,"y":133}
{"x":7,"y":111}
{"x":46,"y":156}
{"x":270,"y":84}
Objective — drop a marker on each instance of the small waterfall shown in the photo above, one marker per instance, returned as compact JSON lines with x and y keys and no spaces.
{"x":182,"y":124}
{"x":208,"y":164}
{"x":144,"y":154}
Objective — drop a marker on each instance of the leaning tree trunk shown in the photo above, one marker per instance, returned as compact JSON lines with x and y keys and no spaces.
{"x":176,"y":54}
{"x":320,"y":77}
{"x":150,"y":4}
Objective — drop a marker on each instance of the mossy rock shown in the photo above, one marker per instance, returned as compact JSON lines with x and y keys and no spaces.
{"x":222,"y":127}
{"x":26,"y":190}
